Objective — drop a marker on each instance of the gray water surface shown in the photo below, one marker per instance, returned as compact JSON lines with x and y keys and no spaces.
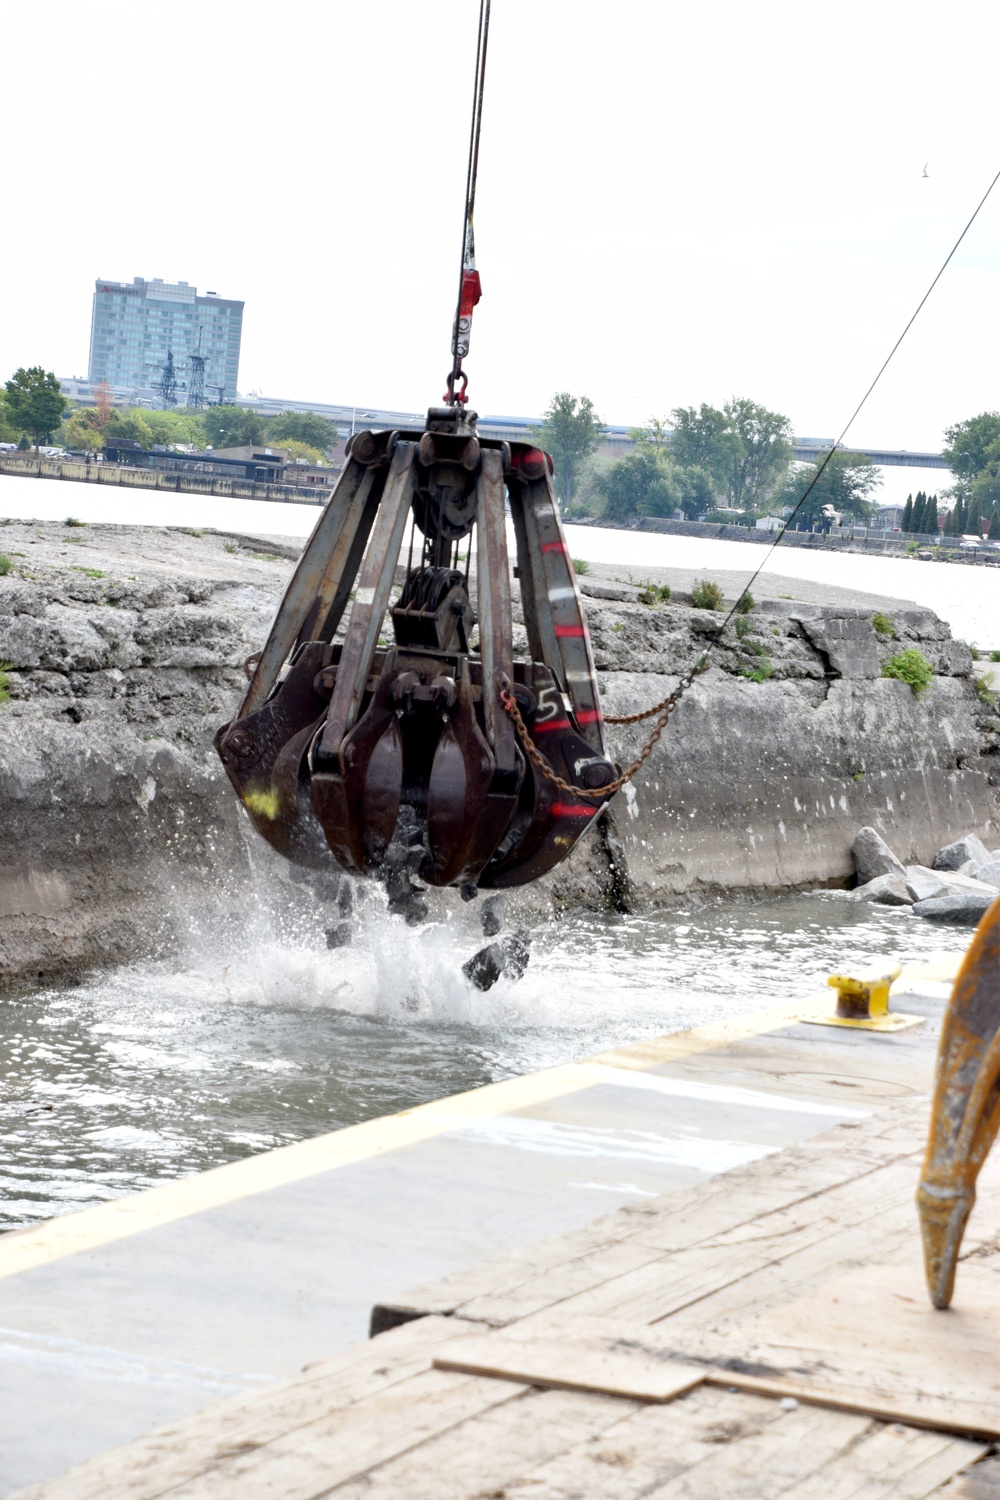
{"x":157,"y":1070}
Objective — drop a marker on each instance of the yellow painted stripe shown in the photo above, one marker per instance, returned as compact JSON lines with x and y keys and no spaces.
{"x":25,"y":1249}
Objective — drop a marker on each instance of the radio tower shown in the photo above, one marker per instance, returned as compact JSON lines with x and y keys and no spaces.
{"x":168,"y":382}
{"x":196,"y":380}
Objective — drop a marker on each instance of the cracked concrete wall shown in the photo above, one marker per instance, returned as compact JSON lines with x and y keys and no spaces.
{"x":125,"y":646}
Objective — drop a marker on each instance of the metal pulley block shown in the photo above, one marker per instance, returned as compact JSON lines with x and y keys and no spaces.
{"x":348,"y":747}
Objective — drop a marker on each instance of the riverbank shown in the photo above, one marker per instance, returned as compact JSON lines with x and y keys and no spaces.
{"x":125,"y":647}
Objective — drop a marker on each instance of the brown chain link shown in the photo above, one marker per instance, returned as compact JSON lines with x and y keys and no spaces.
{"x":597,"y":794}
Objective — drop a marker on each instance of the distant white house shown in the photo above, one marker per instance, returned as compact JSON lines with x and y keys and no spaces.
{"x":769,"y":523}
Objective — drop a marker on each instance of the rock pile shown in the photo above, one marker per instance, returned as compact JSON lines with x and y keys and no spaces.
{"x":963,"y":882}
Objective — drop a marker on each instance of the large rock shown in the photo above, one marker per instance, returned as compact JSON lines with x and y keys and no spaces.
{"x":873,"y":857}
{"x":989,"y":873}
{"x":954,"y":856}
{"x":964,"y":908}
{"x":885,"y":890}
{"x":924,"y":884}
{"x":846,"y":637}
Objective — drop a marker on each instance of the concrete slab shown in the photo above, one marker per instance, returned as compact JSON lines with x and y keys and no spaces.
{"x":144,"y":1310}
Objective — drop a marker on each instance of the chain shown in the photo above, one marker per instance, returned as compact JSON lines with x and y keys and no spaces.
{"x":598,"y":794}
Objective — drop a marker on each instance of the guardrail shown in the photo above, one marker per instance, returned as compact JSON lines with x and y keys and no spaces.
{"x":97,"y":472}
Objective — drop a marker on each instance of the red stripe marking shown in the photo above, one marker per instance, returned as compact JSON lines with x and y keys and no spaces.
{"x":571,"y":810}
{"x":553,"y":546}
{"x":589,"y":716}
{"x":551,"y":724}
{"x":566,"y":630}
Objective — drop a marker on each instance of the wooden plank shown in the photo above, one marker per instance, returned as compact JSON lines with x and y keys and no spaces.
{"x":697,"y":1450}
{"x":484,"y":1456}
{"x":902,"y":1462}
{"x":171,"y":1454}
{"x":981,"y":1482}
{"x":568,"y":1360}
{"x":674,"y":1222}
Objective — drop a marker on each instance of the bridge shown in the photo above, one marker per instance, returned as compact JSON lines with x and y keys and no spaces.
{"x":616,"y":440}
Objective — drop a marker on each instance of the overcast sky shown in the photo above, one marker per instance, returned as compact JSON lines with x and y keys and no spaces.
{"x":677,"y":203}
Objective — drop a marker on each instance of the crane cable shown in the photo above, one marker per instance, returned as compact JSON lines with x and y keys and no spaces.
{"x":469,"y":286}
{"x":665,"y":708}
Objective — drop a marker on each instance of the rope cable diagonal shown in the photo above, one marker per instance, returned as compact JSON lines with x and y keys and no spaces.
{"x":666,"y":707}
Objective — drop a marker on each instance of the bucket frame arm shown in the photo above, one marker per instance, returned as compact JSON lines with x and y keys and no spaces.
{"x":965,"y":1111}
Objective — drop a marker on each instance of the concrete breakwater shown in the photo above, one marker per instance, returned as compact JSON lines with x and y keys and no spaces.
{"x":125,"y":647}
{"x":851,"y":539}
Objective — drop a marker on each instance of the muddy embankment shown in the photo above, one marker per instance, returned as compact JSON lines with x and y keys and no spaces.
{"x":125,"y":647}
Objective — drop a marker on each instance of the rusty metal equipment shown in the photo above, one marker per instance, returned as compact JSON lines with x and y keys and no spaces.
{"x":965,"y":1113}
{"x":386,"y":750}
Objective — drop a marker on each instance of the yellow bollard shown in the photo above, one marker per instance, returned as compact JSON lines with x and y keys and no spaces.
{"x":863,"y":1002}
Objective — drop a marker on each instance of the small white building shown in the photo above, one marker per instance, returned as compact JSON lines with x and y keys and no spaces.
{"x":769,"y":523}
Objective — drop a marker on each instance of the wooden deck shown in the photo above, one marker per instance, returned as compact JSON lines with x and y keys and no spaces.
{"x":764,"y":1334}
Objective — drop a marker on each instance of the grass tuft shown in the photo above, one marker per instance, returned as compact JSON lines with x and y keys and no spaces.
{"x":706,"y":595}
{"x":882,"y":623}
{"x":912,"y":667}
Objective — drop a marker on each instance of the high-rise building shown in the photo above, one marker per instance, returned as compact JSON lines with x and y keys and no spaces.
{"x":136,"y":325}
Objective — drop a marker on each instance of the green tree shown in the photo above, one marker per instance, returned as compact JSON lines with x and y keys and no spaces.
{"x":570,"y":431}
{"x":35,"y":402}
{"x":847,"y":484}
{"x":9,"y":432}
{"x":638,"y":485}
{"x":295,"y":450}
{"x":906,"y":524}
{"x":974,"y":519}
{"x":81,"y":429}
{"x":704,"y":439}
{"x":132,"y":425}
{"x":967,"y":446}
{"x":765,"y":439}
{"x":303,"y":427}
{"x":919,"y":506}
{"x":931,"y":516}
{"x":232,"y":427}
{"x":177,"y":426}
{"x":994,"y":531}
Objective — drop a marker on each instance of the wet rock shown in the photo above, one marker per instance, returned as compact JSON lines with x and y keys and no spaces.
{"x":954,"y":856}
{"x":873,"y":857}
{"x":885,"y":890}
{"x":963,"y":908}
{"x":923,"y":884}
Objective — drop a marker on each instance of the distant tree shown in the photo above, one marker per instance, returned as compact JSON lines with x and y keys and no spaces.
{"x":132,"y":425}
{"x":178,"y":425}
{"x":994,"y":527}
{"x":570,"y":431}
{"x":974,"y":518}
{"x":303,"y":427}
{"x":296,"y":450}
{"x":103,"y":404}
{"x":232,"y":427}
{"x":81,"y":430}
{"x":35,"y":402}
{"x":847,"y":483}
{"x":931,"y":526}
{"x":919,"y":506}
{"x":906,"y":524}
{"x":765,"y":452}
{"x":9,"y":431}
{"x":704,"y":439}
{"x":638,"y":485}
{"x":967,"y":446}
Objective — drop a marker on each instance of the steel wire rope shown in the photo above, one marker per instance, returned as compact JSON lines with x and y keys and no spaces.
{"x":666,"y":707}
{"x":471,"y":175}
